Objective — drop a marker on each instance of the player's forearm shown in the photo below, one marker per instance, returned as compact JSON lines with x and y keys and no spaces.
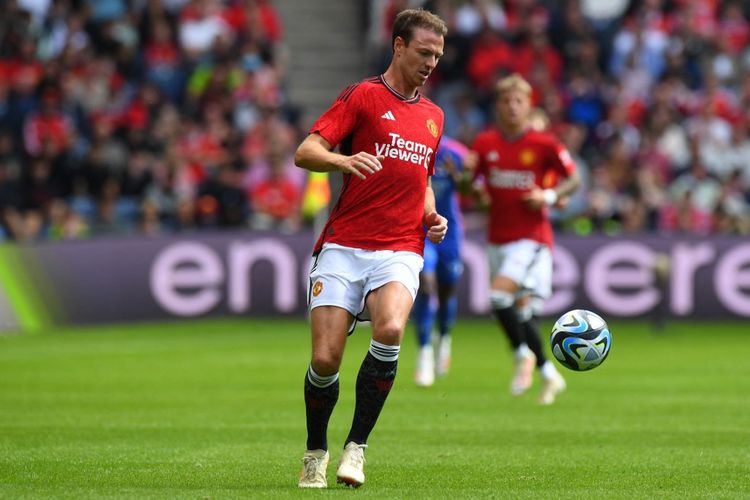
{"x":568,"y":185}
{"x":312,"y":155}
{"x":429,"y":201}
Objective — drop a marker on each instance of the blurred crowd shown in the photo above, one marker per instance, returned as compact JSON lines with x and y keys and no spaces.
{"x":154,"y":116}
{"x":144,"y":116}
{"x":652,"y":97}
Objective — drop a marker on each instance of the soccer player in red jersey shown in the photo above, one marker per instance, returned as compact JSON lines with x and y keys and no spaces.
{"x":367,"y":260}
{"x":514,"y":160}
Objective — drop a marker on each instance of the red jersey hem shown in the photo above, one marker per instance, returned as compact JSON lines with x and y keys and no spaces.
{"x":415,"y":248}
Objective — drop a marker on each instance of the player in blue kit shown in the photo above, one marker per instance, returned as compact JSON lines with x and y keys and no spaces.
{"x":442,"y":265}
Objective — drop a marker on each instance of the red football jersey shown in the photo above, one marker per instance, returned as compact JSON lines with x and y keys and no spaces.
{"x":384,"y":211}
{"x":511,"y":168}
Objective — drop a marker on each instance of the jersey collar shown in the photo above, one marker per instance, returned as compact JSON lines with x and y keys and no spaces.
{"x":516,"y":137}
{"x":402,"y":97}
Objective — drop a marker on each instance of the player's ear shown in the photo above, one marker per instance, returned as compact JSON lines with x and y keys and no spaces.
{"x":399,"y":44}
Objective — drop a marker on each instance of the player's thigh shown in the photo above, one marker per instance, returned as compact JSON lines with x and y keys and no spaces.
{"x":389,"y":306}
{"x":427,"y":278}
{"x":539,"y":280}
{"x":330,"y":328}
{"x":336,"y":279}
{"x":430,"y":257}
{"x":497,"y":256}
{"x":392,"y":288}
{"x":513,"y":264}
{"x":450,"y":265}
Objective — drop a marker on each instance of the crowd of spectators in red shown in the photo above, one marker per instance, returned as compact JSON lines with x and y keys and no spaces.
{"x":153,"y":116}
{"x":651,"y":96}
{"x":143,"y":116}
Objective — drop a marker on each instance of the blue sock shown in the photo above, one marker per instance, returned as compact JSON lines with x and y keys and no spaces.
{"x":447,"y":316}
{"x":424,"y":313}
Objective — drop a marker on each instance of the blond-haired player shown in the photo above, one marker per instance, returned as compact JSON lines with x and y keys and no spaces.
{"x":514,"y":159}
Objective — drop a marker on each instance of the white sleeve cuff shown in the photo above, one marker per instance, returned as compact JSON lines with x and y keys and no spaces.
{"x":550,"y":197}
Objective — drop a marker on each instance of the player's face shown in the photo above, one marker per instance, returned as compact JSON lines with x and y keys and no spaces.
{"x":421,"y":56}
{"x":513,"y":109}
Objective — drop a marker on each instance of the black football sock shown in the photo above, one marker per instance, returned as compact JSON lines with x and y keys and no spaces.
{"x":374,"y":382}
{"x":508,"y":318}
{"x":321,"y":394}
{"x":533,"y":340}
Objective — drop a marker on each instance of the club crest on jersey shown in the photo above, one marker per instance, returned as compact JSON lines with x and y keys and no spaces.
{"x":493,"y":156}
{"x":432,"y":127}
{"x":527,"y":157}
{"x":317,"y":288}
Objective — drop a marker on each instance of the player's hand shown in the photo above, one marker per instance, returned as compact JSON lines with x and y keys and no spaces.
{"x":534,"y":199}
{"x":437,"y":227}
{"x":362,"y":164}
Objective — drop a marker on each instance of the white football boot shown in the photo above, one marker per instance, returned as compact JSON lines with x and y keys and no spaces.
{"x":524,"y":364}
{"x":424,"y":376}
{"x":552,"y":384}
{"x":314,"y":466}
{"x":444,"y":356}
{"x":351,"y":469}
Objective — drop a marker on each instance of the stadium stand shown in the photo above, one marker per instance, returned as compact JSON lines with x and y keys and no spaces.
{"x":148,"y":116}
{"x":141,"y":116}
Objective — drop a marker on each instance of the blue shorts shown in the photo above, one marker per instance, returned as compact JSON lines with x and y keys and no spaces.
{"x":444,"y":260}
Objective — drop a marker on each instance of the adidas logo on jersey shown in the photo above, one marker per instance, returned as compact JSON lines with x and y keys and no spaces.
{"x":388,"y":116}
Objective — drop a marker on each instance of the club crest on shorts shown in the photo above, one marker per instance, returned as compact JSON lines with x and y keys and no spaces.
{"x":317,"y":288}
{"x":432,"y":127}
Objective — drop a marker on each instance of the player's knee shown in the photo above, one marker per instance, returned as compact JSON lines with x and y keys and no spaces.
{"x":537,"y":305}
{"x":501,"y":299}
{"x":525,"y":312}
{"x":388,"y":332}
{"x":325,"y":363}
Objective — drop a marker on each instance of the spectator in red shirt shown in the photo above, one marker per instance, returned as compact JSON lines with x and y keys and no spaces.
{"x":491,"y":56}
{"x":277,"y":198}
{"x":682,"y":215}
{"x":162,"y":59}
{"x":538,"y":51}
{"x":48,"y":125}
{"x":734,"y":29}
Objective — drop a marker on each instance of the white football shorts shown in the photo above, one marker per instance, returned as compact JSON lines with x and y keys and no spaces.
{"x":526,"y":262}
{"x":342,"y":276}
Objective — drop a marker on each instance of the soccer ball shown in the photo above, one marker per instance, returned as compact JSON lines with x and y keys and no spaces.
{"x":580,"y":340}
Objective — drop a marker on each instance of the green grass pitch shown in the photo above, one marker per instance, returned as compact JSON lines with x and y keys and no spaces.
{"x":213,"y":409}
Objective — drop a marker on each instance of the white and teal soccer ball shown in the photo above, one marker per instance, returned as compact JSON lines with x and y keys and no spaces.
{"x":580,"y":340}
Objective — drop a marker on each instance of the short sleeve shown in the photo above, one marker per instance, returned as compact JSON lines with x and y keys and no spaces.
{"x":562,"y":162}
{"x":340,"y":120}
{"x":431,"y":165}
